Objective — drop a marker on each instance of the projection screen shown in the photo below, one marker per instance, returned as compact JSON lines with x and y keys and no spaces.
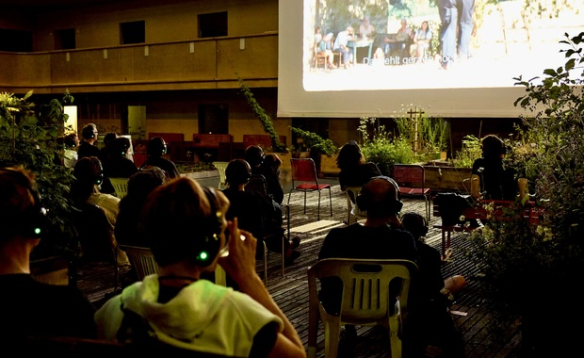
{"x":383,"y":71}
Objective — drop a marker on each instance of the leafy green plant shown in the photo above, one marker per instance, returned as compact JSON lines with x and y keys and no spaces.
{"x":381,"y":148}
{"x":525,"y":263}
{"x":314,"y":142}
{"x":471,"y":150}
{"x":28,"y":137}
{"x":427,"y":135}
{"x":263,"y":117}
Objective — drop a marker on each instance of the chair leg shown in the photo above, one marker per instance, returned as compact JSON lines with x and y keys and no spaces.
{"x":305,"y":202}
{"x":318,"y":212}
{"x":332,"y":331}
{"x":265,"y":263}
{"x":330,"y":201}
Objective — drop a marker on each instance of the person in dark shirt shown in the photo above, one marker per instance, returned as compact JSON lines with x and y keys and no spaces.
{"x":269,"y":167}
{"x":87,"y":148}
{"x":355,"y":171}
{"x":118,"y":165}
{"x":497,"y":182}
{"x":257,"y":213}
{"x":107,"y":141}
{"x":155,"y":149}
{"x":29,"y":307}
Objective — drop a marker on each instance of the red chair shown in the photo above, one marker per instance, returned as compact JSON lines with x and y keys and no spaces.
{"x":411,"y":179}
{"x":304,"y":171}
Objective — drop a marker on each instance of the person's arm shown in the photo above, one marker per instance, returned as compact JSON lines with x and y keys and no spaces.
{"x":240,"y":266}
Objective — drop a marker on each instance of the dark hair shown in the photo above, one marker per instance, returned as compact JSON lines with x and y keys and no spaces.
{"x":119,"y":147}
{"x":109,"y":137}
{"x":254,"y":155}
{"x":144,"y":181}
{"x":175,"y":217}
{"x":415,"y":223}
{"x":156,"y":147}
{"x":238,"y":171}
{"x":88,"y":131}
{"x":350,"y":156}
{"x":70,"y":140}
{"x":88,"y":172}
{"x":493,"y":147}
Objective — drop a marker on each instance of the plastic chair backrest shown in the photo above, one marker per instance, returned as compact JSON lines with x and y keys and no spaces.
{"x":352,"y":193}
{"x":365,"y":300}
{"x":220,"y":166}
{"x":142,"y":260}
{"x":303,"y":169}
{"x":120,"y":186}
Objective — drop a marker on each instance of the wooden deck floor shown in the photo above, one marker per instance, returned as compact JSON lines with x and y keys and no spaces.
{"x":291,"y":291}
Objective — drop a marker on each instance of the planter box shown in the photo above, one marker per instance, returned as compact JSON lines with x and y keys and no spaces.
{"x":441,"y":178}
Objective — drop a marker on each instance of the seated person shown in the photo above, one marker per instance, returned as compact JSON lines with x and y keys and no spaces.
{"x":269,"y":167}
{"x":492,"y":179}
{"x":422,"y":41}
{"x":366,"y":30}
{"x":155,"y":149}
{"x":432,"y":323}
{"x":325,"y":48}
{"x":88,"y":147}
{"x":396,"y":44}
{"x":256,"y":213}
{"x":355,"y":171}
{"x":32,"y":308}
{"x":107,"y":141}
{"x":70,"y":157}
{"x":342,"y":45}
{"x":118,"y":164}
{"x":186,"y":227}
{"x":140,"y":185}
{"x":88,"y":174}
{"x":374,"y":239}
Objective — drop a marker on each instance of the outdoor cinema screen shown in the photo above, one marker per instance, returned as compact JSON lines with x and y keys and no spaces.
{"x":355,"y":58}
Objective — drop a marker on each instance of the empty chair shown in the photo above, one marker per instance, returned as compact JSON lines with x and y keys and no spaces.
{"x":365,"y":299}
{"x":353,"y":211}
{"x":120,"y":186}
{"x":411,"y":179}
{"x":305,"y":179}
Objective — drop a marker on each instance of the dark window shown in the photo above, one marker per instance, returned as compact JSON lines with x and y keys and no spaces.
{"x":214,"y":118}
{"x":132,"y":32}
{"x":15,"y":40}
{"x":213,"y":25}
{"x":65,"y":39}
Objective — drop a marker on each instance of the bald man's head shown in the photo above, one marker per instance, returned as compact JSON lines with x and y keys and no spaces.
{"x":380,"y":198}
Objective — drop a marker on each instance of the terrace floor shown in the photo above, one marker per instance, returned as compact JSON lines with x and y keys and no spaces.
{"x":470,"y":311}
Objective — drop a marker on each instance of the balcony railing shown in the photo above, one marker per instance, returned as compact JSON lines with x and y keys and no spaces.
{"x":197,"y":64}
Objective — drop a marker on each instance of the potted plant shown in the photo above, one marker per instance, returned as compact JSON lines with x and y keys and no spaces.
{"x":28,"y":137}
{"x":531,"y":269}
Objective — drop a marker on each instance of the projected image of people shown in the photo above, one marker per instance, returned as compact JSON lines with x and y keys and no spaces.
{"x":408,"y":44}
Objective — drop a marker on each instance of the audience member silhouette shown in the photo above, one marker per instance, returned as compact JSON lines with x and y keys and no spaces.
{"x":32,"y":308}
{"x":497,"y":181}
{"x":257,"y":213}
{"x":70,"y":157}
{"x":88,"y":147}
{"x":354,"y":170}
{"x":156,"y":149}
{"x":85,"y":189}
{"x":107,"y":141}
{"x":186,"y":227}
{"x":140,"y":185}
{"x":118,"y":164}
{"x":269,"y":167}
